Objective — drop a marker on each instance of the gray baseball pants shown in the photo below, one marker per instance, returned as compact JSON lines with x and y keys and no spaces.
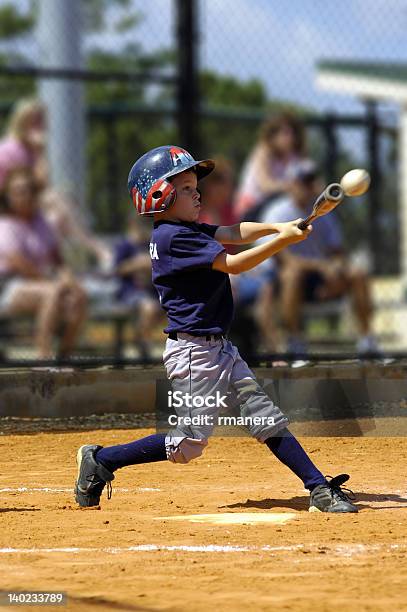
{"x":202,"y":372}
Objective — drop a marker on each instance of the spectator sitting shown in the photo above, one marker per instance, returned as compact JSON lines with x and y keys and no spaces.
{"x":314,"y":270}
{"x":133,"y":266}
{"x":265,"y":173}
{"x":25,"y":145}
{"x":29,"y":261}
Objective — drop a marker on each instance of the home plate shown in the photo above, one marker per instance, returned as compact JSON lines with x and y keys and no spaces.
{"x":233,"y":518}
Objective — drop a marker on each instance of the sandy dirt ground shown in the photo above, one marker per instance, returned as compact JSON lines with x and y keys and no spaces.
{"x":126,"y":556}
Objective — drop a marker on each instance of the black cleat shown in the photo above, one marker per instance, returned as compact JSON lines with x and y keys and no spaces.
{"x":331,"y":497}
{"x":92,"y":477}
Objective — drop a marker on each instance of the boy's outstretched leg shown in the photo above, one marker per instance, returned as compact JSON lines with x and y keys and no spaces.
{"x":97,"y":464}
{"x":326,"y":495}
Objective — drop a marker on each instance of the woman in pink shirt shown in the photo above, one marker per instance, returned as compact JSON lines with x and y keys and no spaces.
{"x":25,"y":145}
{"x":266,"y":172}
{"x":33,"y":280}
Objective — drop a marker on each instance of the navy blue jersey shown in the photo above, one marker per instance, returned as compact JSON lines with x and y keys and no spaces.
{"x":197,"y":299}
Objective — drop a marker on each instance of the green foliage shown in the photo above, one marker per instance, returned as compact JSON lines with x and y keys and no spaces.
{"x":13,"y":23}
{"x":126,"y":23}
{"x":220,"y":134}
{"x":13,"y":88}
{"x":95,"y":12}
{"x":113,"y":91}
{"x":227,"y":91}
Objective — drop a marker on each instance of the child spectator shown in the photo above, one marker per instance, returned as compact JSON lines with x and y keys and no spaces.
{"x":133,"y":267}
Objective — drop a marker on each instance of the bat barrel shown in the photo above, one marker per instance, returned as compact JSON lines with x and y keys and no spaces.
{"x":334,"y":192}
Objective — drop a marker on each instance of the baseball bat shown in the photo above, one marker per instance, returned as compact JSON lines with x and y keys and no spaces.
{"x":332,"y":195}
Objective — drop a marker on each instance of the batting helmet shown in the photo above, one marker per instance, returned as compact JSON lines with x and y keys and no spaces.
{"x":147,"y":184}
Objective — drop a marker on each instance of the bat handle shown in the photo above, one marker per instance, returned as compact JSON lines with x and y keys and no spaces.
{"x":304,"y":224}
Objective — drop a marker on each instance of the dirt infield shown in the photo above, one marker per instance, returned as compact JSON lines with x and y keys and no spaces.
{"x":125,"y":557}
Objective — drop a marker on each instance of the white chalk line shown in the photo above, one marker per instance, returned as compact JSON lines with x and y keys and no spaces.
{"x":126,"y":490}
{"x":69,"y":490}
{"x":345,"y":550}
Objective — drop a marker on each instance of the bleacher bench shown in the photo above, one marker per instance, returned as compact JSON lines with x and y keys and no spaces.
{"x":13,"y":328}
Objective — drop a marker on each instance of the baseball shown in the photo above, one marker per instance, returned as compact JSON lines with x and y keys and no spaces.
{"x":355,"y":182}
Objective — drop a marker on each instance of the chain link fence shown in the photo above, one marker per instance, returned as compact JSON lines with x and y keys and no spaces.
{"x":118,"y":78}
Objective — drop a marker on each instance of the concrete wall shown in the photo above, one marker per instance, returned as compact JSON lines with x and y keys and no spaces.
{"x":306,"y":394}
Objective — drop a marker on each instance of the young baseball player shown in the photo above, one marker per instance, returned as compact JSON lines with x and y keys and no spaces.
{"x":191,"y":270}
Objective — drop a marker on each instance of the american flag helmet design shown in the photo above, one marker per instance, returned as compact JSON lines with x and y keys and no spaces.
{"x":149,"y":190}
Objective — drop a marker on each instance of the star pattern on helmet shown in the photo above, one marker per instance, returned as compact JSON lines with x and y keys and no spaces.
{"x":144,"y":182}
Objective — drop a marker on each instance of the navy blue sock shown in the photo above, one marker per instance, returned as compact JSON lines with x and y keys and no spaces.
{"x":290,"y":452}
{"x":146,"y":450}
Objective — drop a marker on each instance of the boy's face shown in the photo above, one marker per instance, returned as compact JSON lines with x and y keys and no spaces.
{"x":187,"y":206}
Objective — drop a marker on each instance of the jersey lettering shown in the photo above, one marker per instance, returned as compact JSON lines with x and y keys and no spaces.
{"x":153,"y":251}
